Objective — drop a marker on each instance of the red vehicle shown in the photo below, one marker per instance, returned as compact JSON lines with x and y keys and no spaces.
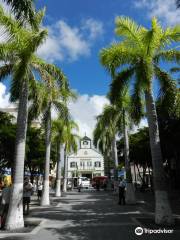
{"x":100,"y":179}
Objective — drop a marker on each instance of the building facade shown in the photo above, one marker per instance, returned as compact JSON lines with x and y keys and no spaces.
{"x":87,"y":162}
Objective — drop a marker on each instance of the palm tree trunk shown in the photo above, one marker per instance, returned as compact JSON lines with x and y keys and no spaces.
{"x":115,"y":156}
{"x":45,"y":194}
{"x":130,"y":193}
{"x":58,"y":173}
{"x":65,"y":172}
{"x":163,"y":212}
{"x":115,"y":152}
{"x":15,"y":214}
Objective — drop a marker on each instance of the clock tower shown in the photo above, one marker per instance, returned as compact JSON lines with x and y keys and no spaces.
{"x":85,"y":143}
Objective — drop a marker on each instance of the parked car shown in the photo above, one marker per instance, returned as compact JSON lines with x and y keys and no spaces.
{"x":100,"y":179}
{"x":85,"y":182}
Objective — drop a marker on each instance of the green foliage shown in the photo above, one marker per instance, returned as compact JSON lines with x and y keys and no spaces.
{"x":134,"y":61}
{"x":24,"y":11}
{"x":35,"y":149}
{"x":140,"y":152}
{"x":7,"y":140}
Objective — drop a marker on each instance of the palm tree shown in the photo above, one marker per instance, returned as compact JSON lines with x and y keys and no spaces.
{"x":70,"y":145}
{"x":59,"y":134}
{"x":47,"y":97}
{"x":21,"y":63}
{"x":102,"y":137}
{"x":139,"y":54}
{"x":114,"y":120}
{"x":19,"y":66}
{"x":57,"y":129}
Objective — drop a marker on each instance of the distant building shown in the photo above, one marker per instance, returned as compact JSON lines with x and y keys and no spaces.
{"x":87,"y":162}
{"x":14,"y":111}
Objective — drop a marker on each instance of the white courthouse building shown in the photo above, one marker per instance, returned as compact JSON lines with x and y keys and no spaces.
{"x":87,"y":162}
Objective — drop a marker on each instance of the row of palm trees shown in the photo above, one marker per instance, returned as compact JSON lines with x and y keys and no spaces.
{"x":135,"y":65}
{"x":39,"y":88}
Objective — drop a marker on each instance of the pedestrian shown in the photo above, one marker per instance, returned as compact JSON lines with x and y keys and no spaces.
{"x":34,"y":187}
{"x":27,"y":191}
{"x":105,"y":184}
{"x":6,"y":192}
{"x":40,"y":188}
{"x":121,"y":191}
{"x":79,"y":184}
{"x":97,"y":184}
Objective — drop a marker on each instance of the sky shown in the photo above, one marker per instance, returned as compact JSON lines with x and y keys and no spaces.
{"x":78,"y":30}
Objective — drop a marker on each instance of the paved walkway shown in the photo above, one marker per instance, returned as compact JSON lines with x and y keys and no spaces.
{"x":92,"y":215}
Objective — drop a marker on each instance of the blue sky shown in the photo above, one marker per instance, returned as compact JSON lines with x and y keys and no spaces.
{"x":78,"y":29}
{"x":84,"y":71}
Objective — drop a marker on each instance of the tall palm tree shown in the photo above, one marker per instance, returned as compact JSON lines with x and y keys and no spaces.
{"x":70,"y":145}
{"x":115,"y":121}
{"x":102,"y":138}
{"x":47,"y":97}
{"x":57,"y":129}
{"x":139,"y":54}
{"x":59,"y":134}
{"x":20,"y":61}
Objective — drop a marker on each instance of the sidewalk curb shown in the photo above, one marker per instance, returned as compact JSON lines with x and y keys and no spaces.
{"x":33,"y":232}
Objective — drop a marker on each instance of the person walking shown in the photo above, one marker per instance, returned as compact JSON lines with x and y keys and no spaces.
{"x":105,"y":184}
{"x":40,"y":188}
{"x":6,"y":192}
{"x":27,"y":195}
{"x":79,"y":184}
{"x":97,"y":184}
{"x":122,"y":186}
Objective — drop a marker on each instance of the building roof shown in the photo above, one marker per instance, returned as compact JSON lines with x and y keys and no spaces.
{"x":86,"y":138}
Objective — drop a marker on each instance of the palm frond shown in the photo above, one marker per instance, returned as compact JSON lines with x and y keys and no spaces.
{"x":119,"y":83}
{"x":5,"y":71}
{"x":171,"y":35}
{"x":23,"y":10}
{"x":127,"y":28}
{"x":115,"y":56}
{"x":168,"y":88}
{"x":175,"y":69}
{"x":172,"y":55}
{"x":136,"y":105}
{"x":151,"y":39}
{"x":61,"y":109}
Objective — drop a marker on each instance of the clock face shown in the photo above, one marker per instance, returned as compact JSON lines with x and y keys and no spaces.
{"x":85,"y":142}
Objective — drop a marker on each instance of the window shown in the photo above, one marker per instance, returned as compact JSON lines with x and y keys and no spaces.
{"x":89,"y":164}
{"x":97,"y":164}
{"x":85,"y":142}
{"x":73,"y":164}
{"x":82,"y":164}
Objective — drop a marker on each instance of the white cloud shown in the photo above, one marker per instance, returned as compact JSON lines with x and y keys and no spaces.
{"x":94,"y":27}
{"x":85,"y":110}
{"x":70,"y":43}
{"x":4,"y":97}
{"x":143,"y":123}
{"x":165,"y":10}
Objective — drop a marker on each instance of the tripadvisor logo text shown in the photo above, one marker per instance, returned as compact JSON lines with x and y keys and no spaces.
{"x":139,"y":231}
